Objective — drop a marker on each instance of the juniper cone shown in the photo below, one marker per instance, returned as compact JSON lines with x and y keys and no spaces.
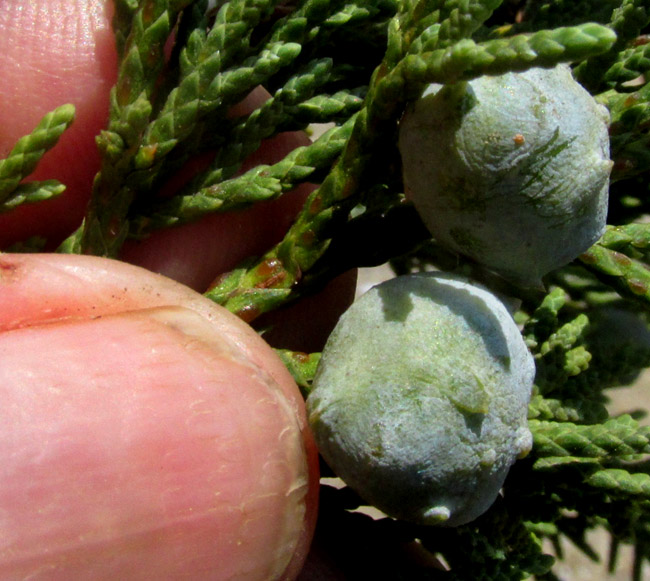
{"x":420,"y":398}
{"x":504,"y":166}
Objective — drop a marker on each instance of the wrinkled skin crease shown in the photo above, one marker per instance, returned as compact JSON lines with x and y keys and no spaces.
{"x":143,"y":468}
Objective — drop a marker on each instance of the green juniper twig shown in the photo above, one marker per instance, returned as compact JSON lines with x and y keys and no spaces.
{"x":619,"y":481}
{"x":259,"y":183}
{"x":560,"y":354}
{"x":621,"y":436}
{"x":630,"y":277}
{"x":24,"y":157}
{"x":627,"y":21}
{"x":631,"y":63}
{"x":302,"y":366}
{"x":545,"y":408}
{"x":246,"y":136}
{"x":629,"y":137}
{"x":631,"y":239}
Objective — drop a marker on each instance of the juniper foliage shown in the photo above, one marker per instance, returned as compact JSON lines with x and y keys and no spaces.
{"x":354,"y":65}
{"x":24,"y":157}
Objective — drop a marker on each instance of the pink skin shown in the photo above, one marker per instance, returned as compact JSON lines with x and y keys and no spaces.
{"x":147,"y":433}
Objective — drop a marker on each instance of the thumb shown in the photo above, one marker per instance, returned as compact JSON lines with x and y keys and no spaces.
{"x":55,"y":52}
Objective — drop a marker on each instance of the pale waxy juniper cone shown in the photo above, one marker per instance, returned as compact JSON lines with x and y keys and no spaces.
{"x":510,"y":170}
{"x":420,"y":399}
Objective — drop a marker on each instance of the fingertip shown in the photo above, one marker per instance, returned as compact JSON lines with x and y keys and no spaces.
{"x":55,"y":52}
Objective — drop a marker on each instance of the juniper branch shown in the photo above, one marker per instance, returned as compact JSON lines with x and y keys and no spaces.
{"x":466,"y":59}
{"x":260,"y":183}
{"x":246,"y":136}
{"x":141,"y":52}
{"x":566,"y":336}
{"x":627,"y":21}
{"x":628,"y":276}
{"x":302,"y":367}
{"x":352,"y":14}
{"x":454,"y":20}
{"x":291,"y":107}
{"x":618,"y":481}
{"x":562,"y":356}
{"x":202,"y":89}
{"x":544,"y":319}
{"x":633,"y":240}
{"x":629,"y":65}
{"x":228,"y":41}
{"x":432,"y":24}
{"x":32,"y":192}
{"x":25,"y":155}
{"x":617,"y":437}
{"x":192,"y":100}
{"x":327,"y":108}
{"x":300,"y":25}
{"x":313,"y":23}
{"x":564,"y":341}
{"x":547,"y":409}
{"x":630,"y":114}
